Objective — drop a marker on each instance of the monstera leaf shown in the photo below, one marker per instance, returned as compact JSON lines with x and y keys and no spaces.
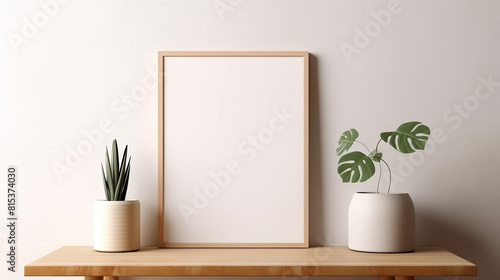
{"x":346,"y":140}
{"x":408,"y":138}
{"x":355,"y":167}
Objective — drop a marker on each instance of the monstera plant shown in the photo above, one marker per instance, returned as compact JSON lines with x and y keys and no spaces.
{"x":356,"y":166}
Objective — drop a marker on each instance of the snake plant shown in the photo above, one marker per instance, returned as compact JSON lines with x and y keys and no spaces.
{"x":357,"y":166}
{"x":116,"y":181}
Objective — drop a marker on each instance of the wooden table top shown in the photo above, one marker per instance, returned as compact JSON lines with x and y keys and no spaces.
{"x":320,"y":261}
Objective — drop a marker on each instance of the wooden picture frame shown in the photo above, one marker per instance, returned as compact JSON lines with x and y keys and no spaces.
{"x":233,"y":149}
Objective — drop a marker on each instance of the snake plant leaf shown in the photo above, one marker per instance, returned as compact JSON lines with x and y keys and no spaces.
{"x":121,"y":183}
{"x":346,"y":140}
{"x":117,"y":173}
{"x":125,"y":182}
{"x":106,"y":187}
{"x":121,"y":176}
{"x":355,"y":167}
{"x":115,"y":163}
{"x":408,"y":138}
{"x":110,"y":179}
{"x":124,"y":159}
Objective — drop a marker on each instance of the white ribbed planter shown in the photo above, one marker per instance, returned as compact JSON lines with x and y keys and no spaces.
{"x":382,"y":223}
{"x":117,"y":225}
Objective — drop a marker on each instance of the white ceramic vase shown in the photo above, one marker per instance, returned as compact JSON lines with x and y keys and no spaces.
{"x":117,"y":225}
{"x":382,"y":223}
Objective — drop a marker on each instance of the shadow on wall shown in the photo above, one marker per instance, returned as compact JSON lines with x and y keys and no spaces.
{"x":434,"y":229}
{"x":316,"y":207}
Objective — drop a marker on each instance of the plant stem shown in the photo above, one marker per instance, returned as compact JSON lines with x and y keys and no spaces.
{"x":390,"y":175}
{"x":364,"y":145}
{"x":379,"y":176}
{"x":380,"y":165}
{"x":376,"y":147}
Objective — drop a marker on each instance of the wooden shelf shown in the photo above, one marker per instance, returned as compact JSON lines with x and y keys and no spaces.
{"x":320,"y":261}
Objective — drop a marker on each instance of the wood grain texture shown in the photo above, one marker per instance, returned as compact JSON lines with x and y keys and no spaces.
{"x":233,"y":53}
{"x":321,"y":261}
{"x":396,"y":277}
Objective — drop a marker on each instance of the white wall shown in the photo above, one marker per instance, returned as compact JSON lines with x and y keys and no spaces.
{"x":69,"y":67}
